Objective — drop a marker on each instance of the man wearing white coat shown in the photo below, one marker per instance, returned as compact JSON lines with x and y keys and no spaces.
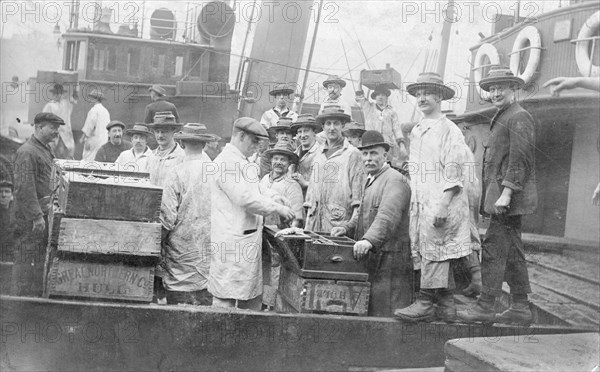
{"x":235,"y":278}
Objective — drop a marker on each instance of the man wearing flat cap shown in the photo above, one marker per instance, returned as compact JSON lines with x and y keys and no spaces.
{"x":440,"y":229}
{"x":380,"y":116}
{"x":110,"y":151}
{"x":333,"y":87}
{"x":281,"y":93}
{"x":33,"y":166}
{"x":306,"y":129}
{"x":136,"y":158}
{"x":237,"y":211}
{"x":168,"y":153}
{"x":158,"y":95}
{"x":380,"y":229}
{"x":94,"y":129}
{"x":185,"y":216}
{"x":509,"y":192}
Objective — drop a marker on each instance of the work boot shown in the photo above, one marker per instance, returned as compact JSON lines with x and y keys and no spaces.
{"x":420,"y":310}
{"x":474,"y":288}
{"x":446,"y":308}
{"x":517,"y":313}
{"x":482,"y":311}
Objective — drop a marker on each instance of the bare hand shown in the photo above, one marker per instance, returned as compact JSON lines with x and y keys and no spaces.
{"x":300,"y":179}
{"x":441,"y":215}
{"x":361,"y":248}
{"x":596,"y":196}
{"x":82,"y":138}
{"x":502,"y":204}
{"x":560,"y":83}
{"x":338,"y":231}
{"x":39,"y":225}
{"x":286,"y":213}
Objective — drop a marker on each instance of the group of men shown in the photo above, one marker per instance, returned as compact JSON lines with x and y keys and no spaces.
{"x":312,"y":176}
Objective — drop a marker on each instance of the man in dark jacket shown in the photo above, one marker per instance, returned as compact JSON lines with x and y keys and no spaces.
{"x":33,"y":165}
{"x":159,"y":104}
{"x":509,"y":192}
{"x":110,"y":151}
{"x":380,"y":229}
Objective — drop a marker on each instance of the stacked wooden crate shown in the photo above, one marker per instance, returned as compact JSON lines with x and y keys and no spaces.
{"x":319,"y":274}
{"x":104,"y":233}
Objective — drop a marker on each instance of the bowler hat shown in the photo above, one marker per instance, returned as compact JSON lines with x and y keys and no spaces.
{"x":196,"y":132}
{"x":164,"y":119}
{"x":284,"y":123}
{"x":115,"y":123}
{"x":306,"y":120}
{"x":158,"y":90}
{"x":139,"y":129}
{"x":281,"y":88}
{"x":97,"y":94}
{"x":334,"y":79}
{"x":48,"y":117}
{"x":252,"y":126}
{"x":373,"y":138}
{"x":430,"y":81}
{"x":283,"y":148}
{"x":354,"y":127}
{"x":381,"y":90}
{"x":333,"y":112}
{"x":500,"y":74}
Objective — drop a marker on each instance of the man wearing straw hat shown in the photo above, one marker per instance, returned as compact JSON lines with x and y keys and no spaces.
{"x":158,"y":95}
{"x":94,"y":129}
{"x":185,"y":216}
{"x":440,"y":230}
{"x":335,"y":189}
{"x":110,"y":151}
{"x":281,"y":94}
{"x":136,"y":158}
{"x":509,"y":192}
{"x":380,"y":229}
{"x":333,"y":86}
{"x":305,"y":129}
{"x":237,"y":207}
{"x":168,"y":153}
{"x":353,"y":132}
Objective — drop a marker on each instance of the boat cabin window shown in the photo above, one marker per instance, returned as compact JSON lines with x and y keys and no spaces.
{"x":196,"y":63}
{"x":133,"y":61}
{"x":72,"y":51}
{"x":158,"y":59}
{"x":105,"y":58}
{"x":178,"y":65}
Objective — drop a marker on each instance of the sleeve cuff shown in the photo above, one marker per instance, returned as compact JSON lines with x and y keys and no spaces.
{"x":450,"y":185}
{"x":511,"y":185}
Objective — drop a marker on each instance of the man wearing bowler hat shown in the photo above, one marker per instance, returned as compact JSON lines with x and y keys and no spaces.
{"x":440,"y":230}
{"x":136,"y":158}
{"x":509,"y":192}
{"x":380,"y":229}
{"x":110,"y":151}
{"x":333,"y":86}
{"x":185,"y":216}
{"x":380,"y":116}
{"x":237,"y":211}
{"x":168,"y":153}
{"x":94,"y":129}
{"x":281,"y":93}
{"x":158,"y":95}
{"x":32,"y":196}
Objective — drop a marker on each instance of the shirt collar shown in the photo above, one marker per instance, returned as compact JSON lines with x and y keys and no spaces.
{"x":371,"y":178}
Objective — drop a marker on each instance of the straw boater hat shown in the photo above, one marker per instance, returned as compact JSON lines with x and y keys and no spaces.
{"x":115,"y":123}
{"x":165,"y":120}
{"x":430,"y":81}
{"x":354,"y":127}
{"x":158,"y":90}
{"x":373,"y":138}
{"x":284,"y":123}
{"x":335,"y":80}
{"x":306,"y":120}
{"x":281,"y":88}
{"x":333,"y":112}
{"x":283,"y":148}
{"x":196,"y":132}
{"x":380,"y":90}
{"x":97,"y":94}
{"x":139,"y":128}
{"x":500,"y":74}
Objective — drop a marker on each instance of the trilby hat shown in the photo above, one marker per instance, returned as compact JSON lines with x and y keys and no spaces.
{"x":158,"y":90}
{"x":165,"y":119}
{"x":281,"y":88}
{"x":500,"y":74}
{"x":354,"y":127}
{"x":333,"y":112}
{"x":196,"y":132}
{"x":283,"y":148}
{"x":139,"y":128}
{"x":306,"y":120}
{"x":284,"y":123}
{"x":433,"y":82}
{"x":335,"y":80}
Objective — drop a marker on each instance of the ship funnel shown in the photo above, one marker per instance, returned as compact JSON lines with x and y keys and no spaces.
{"x":215,"y":23}
{"x":162,"y":24}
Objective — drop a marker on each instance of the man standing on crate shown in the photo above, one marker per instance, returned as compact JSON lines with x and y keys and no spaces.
{"x":380,"y":229}
{"x":159,"y":104}
{"x":33,"y":166}
{"x":185,"y":216}
{"x":281,"y":94}
{"x":237,"y":207}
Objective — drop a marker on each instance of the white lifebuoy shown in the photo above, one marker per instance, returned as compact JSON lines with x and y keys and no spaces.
{"x":582,"y":53}
{"x":485,"y":50}
{"x":529,"y":35}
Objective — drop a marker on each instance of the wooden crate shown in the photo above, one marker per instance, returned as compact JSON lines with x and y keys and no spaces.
{"x":107,"y":198}
{"x":85,"y":279}
{"x":93,"y":168}
{"x":76,"y":235}
{"x":388,"y":78}
{"x":305,"y":295}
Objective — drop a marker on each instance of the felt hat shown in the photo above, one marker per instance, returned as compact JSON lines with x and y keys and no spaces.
{"x":164,"y":119}
{"x":500,"y":74}
{"x":306,"y":120}
{"x":97,"y":94}
{"x":252,"y":126}
{"x":354,"y":127}
{"x":48,"y":117}
{"x":332,"y":112}
{"x":281,"y":88}
{"x":196,"y":132}
{"x":283,"y":148}
{"x":139,"y":129}
{"x":335,"y":80}
{"x":431,"y":81}
{"x":158,"y":90}
{"x":381,"y":90}
{"x":284,"y":123}
{"x":115,"y":123}
{"x":373,"y":138}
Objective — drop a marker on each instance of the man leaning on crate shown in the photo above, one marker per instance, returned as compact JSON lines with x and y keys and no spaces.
{"x":33,"y":166}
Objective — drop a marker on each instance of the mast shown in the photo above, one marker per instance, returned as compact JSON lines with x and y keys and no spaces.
{"x":310,"y":55}
{"x":448,"y":19}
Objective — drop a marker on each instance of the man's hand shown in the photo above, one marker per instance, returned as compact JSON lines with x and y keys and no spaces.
{"x":502,"y":205}
{"x":338,"y":231}
{"x":596,"y":196}
{"x":39,"y":225}
{"x":561,"y":83}
{"x":361,"y":248}
{"x":82,"y":138}
{"x":300,"y":179}
{"x":441,"y":215}
{"x":286,"y":213}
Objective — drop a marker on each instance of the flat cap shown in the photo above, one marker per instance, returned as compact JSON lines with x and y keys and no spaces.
{"x":115,"y":123}
{"x":158,"y":90}
{"x":251,"y":126}
{"x":48,"y":117}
